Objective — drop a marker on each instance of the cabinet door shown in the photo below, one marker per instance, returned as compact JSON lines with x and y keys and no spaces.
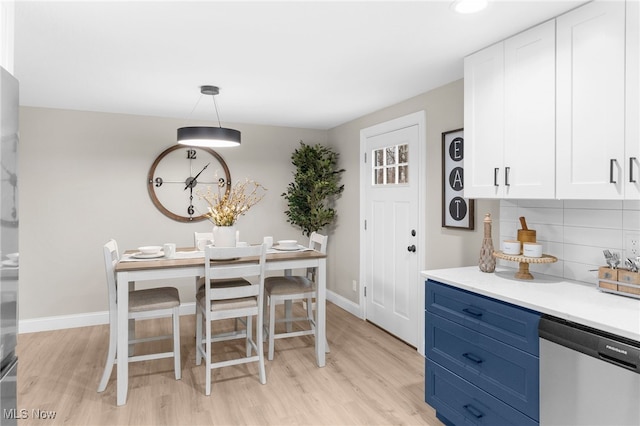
{"x":484,"y":122}
{"x":530,"y":113}
{"x":591,"y":101}
{"x":632,"y":136}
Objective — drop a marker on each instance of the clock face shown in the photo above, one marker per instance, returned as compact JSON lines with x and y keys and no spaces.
{"x":182,"y":172}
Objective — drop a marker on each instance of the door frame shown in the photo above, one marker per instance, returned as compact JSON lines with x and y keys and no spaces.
{"x":418,"y":118}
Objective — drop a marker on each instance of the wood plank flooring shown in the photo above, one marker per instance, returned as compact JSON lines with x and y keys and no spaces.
{"x":370,"y":378}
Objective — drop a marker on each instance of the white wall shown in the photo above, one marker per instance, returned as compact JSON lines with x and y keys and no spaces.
{"x":7,"y":26}
{"x":575,"y":232}
{"x":82,"y":181}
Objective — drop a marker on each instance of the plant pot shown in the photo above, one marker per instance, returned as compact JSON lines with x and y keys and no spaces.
{"x":224,"y":236}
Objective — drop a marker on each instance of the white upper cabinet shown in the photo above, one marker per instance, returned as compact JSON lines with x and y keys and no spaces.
{"x":632,"y":126}
{"x":554,"y":112}
{"x":530,"y":113}
{"x":591,"y":102}
{"x":509,"y":117}
{"x":484,"y":122}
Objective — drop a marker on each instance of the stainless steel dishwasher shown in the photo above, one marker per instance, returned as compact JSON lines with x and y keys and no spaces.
{"x":587,"y":376}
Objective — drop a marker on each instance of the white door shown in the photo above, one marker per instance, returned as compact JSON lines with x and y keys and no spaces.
{"x":392,"y":237}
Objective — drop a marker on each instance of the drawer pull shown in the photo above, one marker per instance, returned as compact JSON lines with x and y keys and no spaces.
{"x":473,"y":358}
{"x":495,"y":176}
{"x":474,"y":411}
{"x":473,"y":312}
{"x":612,"y":162}
{"x":631,"y":179}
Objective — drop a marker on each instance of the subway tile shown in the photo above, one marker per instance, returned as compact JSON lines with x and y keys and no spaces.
{"x":597,"y":237}
{"x":556,"y":204}
{"x":631,"y":205}
{"x":535,"y":215}
{"x":610,"y":219}
{"x":593,"y":204}
{"x":631,"y":220}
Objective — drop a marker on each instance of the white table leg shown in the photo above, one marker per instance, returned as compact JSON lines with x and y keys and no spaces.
{"x":321,"y":312}
{"x":123,"y":338}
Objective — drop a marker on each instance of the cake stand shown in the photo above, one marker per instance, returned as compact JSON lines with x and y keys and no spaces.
{"x":524,"y":261}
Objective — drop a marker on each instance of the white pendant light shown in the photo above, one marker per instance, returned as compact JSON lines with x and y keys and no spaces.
{"x":213,"y":137}
{"x":469,"y":6}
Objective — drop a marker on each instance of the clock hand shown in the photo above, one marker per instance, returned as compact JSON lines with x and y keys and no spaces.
{"x":190,"y":184}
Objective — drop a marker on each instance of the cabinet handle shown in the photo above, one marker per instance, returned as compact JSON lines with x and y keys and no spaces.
{"x":506,"y":175}
{"x":631,"y":160}
{"x":473,"y":358}
{"x":474,"y":411}
{"x":495,"y":176}
{"x":473,"y":312}
{"x":611,"y":163}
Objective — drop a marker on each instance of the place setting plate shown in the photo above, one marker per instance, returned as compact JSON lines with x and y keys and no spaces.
{"x":287,"y":248}
{"x":141,"y":255}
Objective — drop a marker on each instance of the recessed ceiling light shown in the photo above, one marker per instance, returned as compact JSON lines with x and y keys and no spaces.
{"x":469,"y":6}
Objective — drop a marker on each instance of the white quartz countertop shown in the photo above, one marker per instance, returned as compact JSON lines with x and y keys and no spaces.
{"x":571,"y":300}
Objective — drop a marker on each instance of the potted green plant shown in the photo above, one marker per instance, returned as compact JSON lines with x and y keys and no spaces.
{"x":315,"y":187}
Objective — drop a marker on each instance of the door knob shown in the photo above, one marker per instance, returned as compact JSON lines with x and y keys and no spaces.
{"x":412,"y":248}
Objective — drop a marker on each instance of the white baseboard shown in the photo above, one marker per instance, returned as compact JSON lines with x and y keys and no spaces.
{"x":61,"y":322}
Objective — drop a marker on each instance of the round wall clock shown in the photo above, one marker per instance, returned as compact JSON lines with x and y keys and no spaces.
{"x":178,"y":172}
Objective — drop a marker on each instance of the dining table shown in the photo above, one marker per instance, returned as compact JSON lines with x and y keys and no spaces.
{"x":189,"y":262}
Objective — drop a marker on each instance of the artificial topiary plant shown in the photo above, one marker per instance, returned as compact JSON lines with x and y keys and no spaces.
{"x":316,"y":184}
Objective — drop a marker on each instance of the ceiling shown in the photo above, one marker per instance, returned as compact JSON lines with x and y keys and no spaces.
{"x":309,"y":64}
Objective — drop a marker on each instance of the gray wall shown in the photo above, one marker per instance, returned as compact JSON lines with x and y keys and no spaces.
{"x":82,"y":181}
{"x":445,"y":247}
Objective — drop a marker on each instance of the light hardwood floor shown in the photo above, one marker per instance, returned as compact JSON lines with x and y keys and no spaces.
{"x":370,"y":378}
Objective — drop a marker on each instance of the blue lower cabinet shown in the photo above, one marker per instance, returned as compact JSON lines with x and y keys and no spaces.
{"x":458,"y":402}
{"x":502,"y":370}
{"x":482,"y":359}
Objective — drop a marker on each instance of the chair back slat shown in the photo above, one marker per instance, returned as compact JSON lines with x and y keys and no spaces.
{"x":317,"y":242}
{"x":111,"y":258}
{"x":251,"y":269}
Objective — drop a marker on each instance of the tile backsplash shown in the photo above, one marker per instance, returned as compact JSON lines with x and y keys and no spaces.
{"x":574,"y":231}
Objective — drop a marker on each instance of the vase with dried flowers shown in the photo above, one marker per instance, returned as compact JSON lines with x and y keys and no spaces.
{"x":226,"y":207}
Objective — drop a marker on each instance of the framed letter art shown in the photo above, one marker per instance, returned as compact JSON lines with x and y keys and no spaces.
{"x":457,"y":212}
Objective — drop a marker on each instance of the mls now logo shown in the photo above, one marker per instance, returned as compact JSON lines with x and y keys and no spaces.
{"x":36,"y":413}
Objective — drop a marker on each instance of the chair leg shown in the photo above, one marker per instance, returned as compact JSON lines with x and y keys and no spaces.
{"x":249,"y":330}
{"x":272,"y":327}
{"x":259,"y":344}
{"x":207,"y":360}
{"x":288,"y":314}
{"x":198,"y":335}
{"x":176,"y":343}
{"x":111,"y":356}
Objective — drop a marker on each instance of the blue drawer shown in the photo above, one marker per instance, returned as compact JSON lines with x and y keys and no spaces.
{"x":502,"y":321}
{"x":461,"y":403}
{"x":505,"y":372}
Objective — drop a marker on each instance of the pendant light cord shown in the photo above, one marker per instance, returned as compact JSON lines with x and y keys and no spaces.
{"x":215,"y":105}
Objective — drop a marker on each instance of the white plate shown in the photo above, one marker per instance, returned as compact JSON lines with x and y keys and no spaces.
{"x":10,"y":263}
{"x":140,"y":255}
{"x":287,"y":248}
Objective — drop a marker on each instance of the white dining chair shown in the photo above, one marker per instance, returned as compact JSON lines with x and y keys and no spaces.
{"x":231,"y":300}
{"x":288,"y":288}
{"x":143,"y":304}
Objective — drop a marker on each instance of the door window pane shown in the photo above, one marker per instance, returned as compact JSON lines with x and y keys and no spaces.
{"x":391,"y":165}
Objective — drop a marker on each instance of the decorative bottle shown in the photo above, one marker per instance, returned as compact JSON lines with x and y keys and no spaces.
{"x":487,"y":262}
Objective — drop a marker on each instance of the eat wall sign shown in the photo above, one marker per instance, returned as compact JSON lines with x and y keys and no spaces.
{"x":457,"y":211}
